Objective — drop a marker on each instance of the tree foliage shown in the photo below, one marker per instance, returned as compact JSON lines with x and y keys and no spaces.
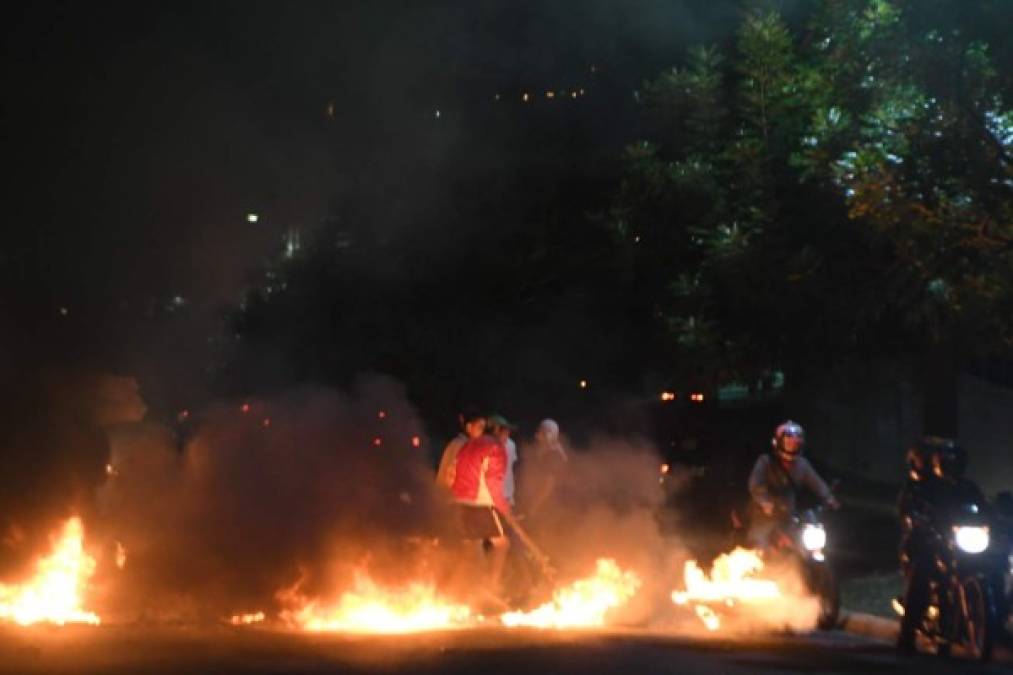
{"x":844,"y":190}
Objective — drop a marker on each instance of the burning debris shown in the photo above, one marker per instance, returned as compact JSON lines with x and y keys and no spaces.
{"x":369,"y":608}
{"x":247,"y":619}
{"x":584,"y":603}
{"x":368,"y":530}
{"x":735,"y":587}
{"x":55,"y":593}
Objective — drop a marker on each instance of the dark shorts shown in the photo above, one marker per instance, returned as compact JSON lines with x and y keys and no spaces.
{"x":478,"y":522}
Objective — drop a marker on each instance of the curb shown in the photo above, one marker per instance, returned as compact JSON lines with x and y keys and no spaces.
{"x":871,"y":626}
{"x":886,"y":630}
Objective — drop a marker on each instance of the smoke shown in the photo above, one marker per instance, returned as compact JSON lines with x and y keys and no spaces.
{"x":55,"y":449}
{"x":306,"y":486}
{"x":606,"y":503}
{"x":254,"y":504}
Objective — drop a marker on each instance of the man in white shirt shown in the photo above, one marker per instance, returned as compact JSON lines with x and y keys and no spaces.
{"x":501,"y":429}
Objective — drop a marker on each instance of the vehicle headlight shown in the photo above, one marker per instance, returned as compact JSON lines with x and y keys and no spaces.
{"x":814,"y":537}
{"x":971,"y":539}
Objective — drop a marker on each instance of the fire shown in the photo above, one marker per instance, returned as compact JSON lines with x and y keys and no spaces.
{"x":121,"y":556}
{"x":247,"y":619}
{"x":584,"y":603}
{"x":369,"y":608}
{"x":709,"y":618}
{"x":54,"y":594}
{"x":732,"y":579}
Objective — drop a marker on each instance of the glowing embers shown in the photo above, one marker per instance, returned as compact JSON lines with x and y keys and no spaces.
{"x":54,"y":594}
{"x":584,"y":603}
{"x":733,"y":579}
{"x":370,"y":608}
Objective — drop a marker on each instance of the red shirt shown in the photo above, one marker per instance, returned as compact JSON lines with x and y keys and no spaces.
{"x":481,"y":468}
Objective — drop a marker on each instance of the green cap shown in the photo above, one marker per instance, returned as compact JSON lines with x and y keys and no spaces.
{"x":500,"y":421}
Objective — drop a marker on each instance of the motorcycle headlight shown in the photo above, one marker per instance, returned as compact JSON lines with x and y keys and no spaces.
{"x":971,"y":539}
{"x":814,"y":538}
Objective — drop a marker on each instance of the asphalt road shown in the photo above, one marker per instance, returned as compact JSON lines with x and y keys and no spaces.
{"x":221,"y":651}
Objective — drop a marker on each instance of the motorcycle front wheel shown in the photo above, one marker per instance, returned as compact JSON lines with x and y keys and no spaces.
{"x":823,"y":584}
{"x":979,"y":618}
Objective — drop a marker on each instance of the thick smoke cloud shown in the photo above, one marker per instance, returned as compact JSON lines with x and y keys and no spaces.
{"x":55,"y":448}
{"x":311,"y":484}
{"x":251,"y":499}
{"x":296,"y":489}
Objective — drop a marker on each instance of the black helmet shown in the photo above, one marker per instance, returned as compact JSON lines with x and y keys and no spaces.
{"x":949,"y":459}
{"x":788,"y":441}
{"x":919,"y":460}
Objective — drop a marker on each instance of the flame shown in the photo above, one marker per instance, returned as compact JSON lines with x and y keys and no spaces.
{"x":732,"y":579}
{"x":369,"y":608}
{"x":54,"y":594}
{"x":247,"y":619}
{"x":584,"y":603}
{"x":709,"y":618}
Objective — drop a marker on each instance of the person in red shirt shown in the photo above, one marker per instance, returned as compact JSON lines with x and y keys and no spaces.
{"x":478,"y":492}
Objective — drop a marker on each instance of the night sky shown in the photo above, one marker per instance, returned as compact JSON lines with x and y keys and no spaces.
{"x":139,"y":137}
{"x":142,"y":135}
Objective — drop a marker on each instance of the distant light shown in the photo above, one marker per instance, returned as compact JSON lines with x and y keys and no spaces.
{"x":183,"y":415}
{"x":438,"y":113}
{"x":573,"y":94}
{"x":245,"y":407}
{"x":582,"y":91}
{"x":252,"y":218}
{"x":668,"y":396}
{"x":583,"y":384}
{"x":696,"y":397}
{"x":550,"y":94}
{"x":330,"y":109}
{"x":665,"y":468}
{"x":416,"y":442}
{"x":594,"y":68}
{"x":64,"y":311}
{"x":525,"y":97}
{"x":111,"y":470}
{"x":267,"y":422}
{"x":636,"y":239}
{"x":382,"y":414}
{"x":378,"y":441}
{"x":496,"y":97}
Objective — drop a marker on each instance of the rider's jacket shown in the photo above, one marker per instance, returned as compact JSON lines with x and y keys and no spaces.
{"x":773,"y":484}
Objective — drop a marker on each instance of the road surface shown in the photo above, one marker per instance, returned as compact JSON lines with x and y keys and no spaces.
{"x":225,"y":651}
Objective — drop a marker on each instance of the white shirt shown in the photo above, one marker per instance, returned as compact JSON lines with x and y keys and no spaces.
{"x":508,"y":479}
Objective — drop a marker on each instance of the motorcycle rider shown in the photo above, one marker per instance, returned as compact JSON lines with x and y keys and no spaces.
{"x":776,"y":478}
{"x":915,"y":505}
{"x":915,"y":499}
{"x":926,"y":506}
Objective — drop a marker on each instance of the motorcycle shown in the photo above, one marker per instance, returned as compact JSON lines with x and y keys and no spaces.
{"x":803,"y":538}
{"x":801,"y":541}
{"x":966,"y":588}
